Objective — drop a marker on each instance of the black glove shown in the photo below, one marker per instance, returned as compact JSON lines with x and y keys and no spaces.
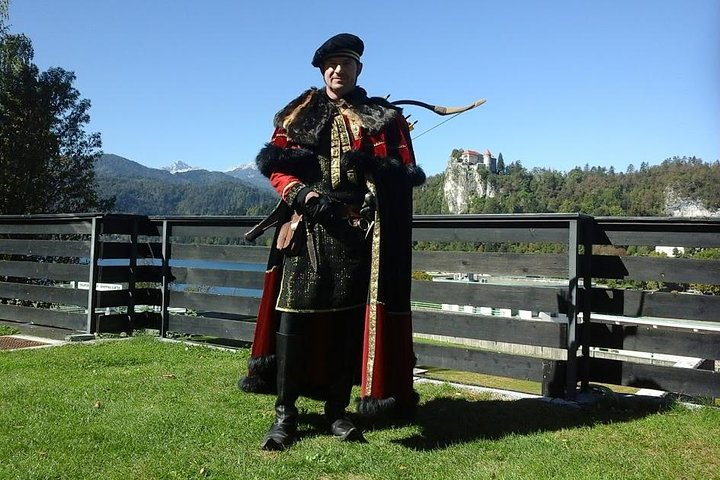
{"x":321,"y":209}
{"x":299,"y":203}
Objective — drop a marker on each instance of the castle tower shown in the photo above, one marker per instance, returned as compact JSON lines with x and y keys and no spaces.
{"x":470,"y":157}
{"x":489,"y":161}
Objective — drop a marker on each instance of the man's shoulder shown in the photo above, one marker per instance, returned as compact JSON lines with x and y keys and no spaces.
{"x":375,"y":113}
{"x":383,"y":102}
{"x":312,"y":109}
{"x":315,"y":94}
{"x":310,"y":95}
{"x":360,"y":97}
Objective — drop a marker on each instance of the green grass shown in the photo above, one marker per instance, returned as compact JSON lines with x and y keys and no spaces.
{"x":8,"y":330}
{"x":144,"y":409}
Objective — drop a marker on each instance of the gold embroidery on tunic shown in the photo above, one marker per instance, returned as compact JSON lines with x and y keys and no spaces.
{"x":340,"y":142}
{"x":352,"y":118}
{"x":373,"y":295}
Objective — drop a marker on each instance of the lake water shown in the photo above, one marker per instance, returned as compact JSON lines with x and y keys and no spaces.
{"x":204,"y":264}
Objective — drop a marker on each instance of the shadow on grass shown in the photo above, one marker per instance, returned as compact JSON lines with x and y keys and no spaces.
{"x":449,"y":421}
{"x":311,"y":424}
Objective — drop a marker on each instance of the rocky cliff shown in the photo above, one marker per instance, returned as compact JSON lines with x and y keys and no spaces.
{"x":464,"y":180}
{"x":676,"y":188}
{"x":678,"y":206}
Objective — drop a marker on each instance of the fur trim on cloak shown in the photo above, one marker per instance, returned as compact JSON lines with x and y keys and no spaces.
{"x":388,"y":407}
{"x":289,"y":160}
{"x":386,"y":167}
{"x":261,"y":377}
{"x":305,"y":117}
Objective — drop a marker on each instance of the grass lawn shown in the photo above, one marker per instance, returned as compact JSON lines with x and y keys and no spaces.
{"x":145,"y":409}
{"x":7,"y":330}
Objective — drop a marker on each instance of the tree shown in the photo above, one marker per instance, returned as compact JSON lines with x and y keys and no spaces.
{"x":4,"y":12}
{"x":430,"y":198}
{"x":46,"y":158}
{"x":456,"y":153}
{"x":500,"y":165}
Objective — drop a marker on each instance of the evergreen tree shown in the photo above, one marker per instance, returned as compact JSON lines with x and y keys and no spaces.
{"x":500,"y":165}
{"x":456,"y":153}
{"x":46,"y":157}
{"x":4,"y":8}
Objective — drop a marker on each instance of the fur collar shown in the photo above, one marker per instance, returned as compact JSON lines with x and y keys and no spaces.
{"x":305,"y":117}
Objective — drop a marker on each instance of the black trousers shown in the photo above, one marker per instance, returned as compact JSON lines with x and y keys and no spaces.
{"x":344,"y":354}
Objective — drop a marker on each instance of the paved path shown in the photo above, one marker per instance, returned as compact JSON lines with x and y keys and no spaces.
{"x":33,"y":336}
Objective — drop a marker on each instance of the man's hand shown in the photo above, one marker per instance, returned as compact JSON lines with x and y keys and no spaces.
{"x":320,"y":208}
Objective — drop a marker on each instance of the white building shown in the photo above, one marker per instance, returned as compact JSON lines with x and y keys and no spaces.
{"x":471,"y":157}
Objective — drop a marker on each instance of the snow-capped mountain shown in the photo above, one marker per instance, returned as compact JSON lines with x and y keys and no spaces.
{"x":179,"y":167}
{"x":188,"y":191}
{"x":249,"y":173}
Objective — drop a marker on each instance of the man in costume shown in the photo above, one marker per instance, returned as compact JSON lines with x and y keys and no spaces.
{"x":338,"y":312}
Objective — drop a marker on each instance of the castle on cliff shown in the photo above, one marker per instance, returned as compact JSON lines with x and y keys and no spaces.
{"x":471,"y":157}
{"x":466,"y":177}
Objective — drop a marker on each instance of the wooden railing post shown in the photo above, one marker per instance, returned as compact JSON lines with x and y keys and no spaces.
{"x":132,"y":274}
{"x":166,"y":252}
{"x":571,"y":371}
{"x":586,"y":235}
{"x":93,"y":275}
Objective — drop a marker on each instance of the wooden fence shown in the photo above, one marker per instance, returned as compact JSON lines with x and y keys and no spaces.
{"x":545,"y":317}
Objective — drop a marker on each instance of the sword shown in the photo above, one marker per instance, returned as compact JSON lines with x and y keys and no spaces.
{"x":312,"y":251}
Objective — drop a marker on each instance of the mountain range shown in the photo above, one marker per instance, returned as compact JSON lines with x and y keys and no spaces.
{"x":179,"y":167}
{"x":181,"y":189}
{"x":179,"y":172}
{"x":678,"y":184}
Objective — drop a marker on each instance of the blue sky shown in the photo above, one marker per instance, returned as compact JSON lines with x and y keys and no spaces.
{"x":567,"y":83}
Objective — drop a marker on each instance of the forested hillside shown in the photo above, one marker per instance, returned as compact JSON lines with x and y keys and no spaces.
{"x":147,"y":191}
{"x":598,"y":191}
{"x":591,"y":190}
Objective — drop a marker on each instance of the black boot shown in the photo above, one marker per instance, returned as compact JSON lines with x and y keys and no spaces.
{"x":341,"y":427}
{"x":282,"y":432}
{"x":289,"y":354}
{"x":345,"y":430}
{"x":346,"y":350}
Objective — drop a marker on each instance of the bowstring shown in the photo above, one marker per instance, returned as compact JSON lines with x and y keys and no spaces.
{"x":435,"y":126}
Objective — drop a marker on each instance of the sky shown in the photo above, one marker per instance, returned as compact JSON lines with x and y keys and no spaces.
{"x":567,"y":82}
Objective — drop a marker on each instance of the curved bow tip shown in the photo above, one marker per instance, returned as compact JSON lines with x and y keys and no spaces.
{"x":451,"y":110}
{"x":439,"y":109}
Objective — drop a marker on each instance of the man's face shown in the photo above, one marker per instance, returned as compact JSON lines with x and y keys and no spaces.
{"x":340,"y":75}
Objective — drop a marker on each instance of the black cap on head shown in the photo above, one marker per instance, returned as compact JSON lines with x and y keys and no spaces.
{"x":341,"y":45}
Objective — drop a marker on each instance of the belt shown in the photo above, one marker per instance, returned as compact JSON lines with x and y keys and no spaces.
{"x":362,"y":217}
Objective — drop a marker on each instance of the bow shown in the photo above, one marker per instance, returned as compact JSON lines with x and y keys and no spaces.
{"x":440,"y":110}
